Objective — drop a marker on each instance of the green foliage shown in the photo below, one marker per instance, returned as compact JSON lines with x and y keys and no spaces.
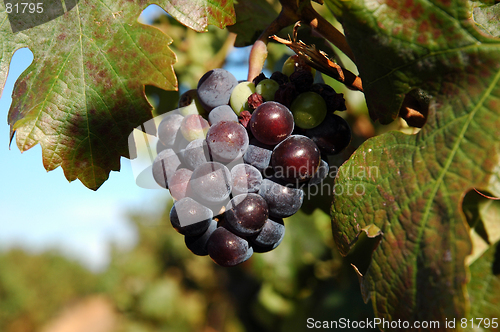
{"x":160,"y":285}
{"x":33,"y":288}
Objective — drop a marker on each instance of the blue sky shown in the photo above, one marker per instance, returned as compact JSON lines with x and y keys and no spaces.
{"x":41,"y":210}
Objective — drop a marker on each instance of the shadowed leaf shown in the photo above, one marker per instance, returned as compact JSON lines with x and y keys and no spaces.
{"x":484,"y":286}
{"x":248,"y":25}
{"x":198,"y":14}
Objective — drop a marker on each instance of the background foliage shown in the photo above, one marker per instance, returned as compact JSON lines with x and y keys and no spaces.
{"x":161,"y":286}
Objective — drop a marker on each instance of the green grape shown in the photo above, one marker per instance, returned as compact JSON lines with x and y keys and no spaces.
{"x":190,"y":109}
{"x":239,"y":96}
{"x":288,"y":66}
{"x":267,"y":88}
{"x":194,"y":126}
{"x":295,"y":63}
{"x":309,"y":110}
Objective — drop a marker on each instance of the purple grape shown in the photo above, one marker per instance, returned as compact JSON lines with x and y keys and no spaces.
{"x":164,"y":166}
{"x":246,"y":179}
{"x":296,"y":159}
{"x":215,"y":87}
{"x":168,"y":130}
{"x":211,"y":183}
{"x":178,"y":184}
{"x":258,"y":155}
{"x":332,"y":135}
{"x":270,"y":236}
{"x":227,"y":141}
{"x":222,"y":113}
{"x":228,"y":249}
{"x":334,"y":101}
{"x":246,"y":214}
{"x":198,"y":244}
{"x":195,"y":153}
{"x":282,"y":201}
{"x":271,"y":123}
{"x":189,"y":217}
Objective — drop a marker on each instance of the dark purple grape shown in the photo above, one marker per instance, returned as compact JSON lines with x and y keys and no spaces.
{"x":227,"y":141}
{"x":271,"y":123}
{"x":258,"y":155}
{"x":320,"y":174}
{"x":296,"y":159}
{"x":282,"y":201}
{"x":198,"y":244}
{"x":195,"y":153}
{"x":164,"y":166}
{"x":228,"y":249}
{"x":334,"y":101}
{"x":332,"y":135}
{"x":246,"y":214}
{"x":211,"y":183}
{"x":178,"y":184}
{"x":189,"y":217}
{"x":270,"y":236}
{"x":215,"y":87}
{"x":279,"y":77}
{"x":302,"y":80}
{"x":169,"y":130}
{"x":222,"y":113}
{"x":188,"y":97}
{"x":286,"y":94}
{"x":259,"y":78}
{"x":246,"y":179}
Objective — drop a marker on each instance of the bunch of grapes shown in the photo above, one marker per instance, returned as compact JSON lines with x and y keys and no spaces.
{"x":237,"y":155}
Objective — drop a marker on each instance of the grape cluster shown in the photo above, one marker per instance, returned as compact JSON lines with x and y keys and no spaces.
{"x":236,"y":156}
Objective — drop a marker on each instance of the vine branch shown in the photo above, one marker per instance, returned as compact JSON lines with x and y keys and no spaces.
{"x":296,"y":11}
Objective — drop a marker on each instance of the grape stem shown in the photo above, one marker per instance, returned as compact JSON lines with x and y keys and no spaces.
{"x":302,"y":10}
{"x":320,"y":61}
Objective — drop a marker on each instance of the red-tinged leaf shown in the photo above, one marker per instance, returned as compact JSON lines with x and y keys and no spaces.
{"x":198,"y":14}
{"x":412,"y":187}
{"x":84,"y":92}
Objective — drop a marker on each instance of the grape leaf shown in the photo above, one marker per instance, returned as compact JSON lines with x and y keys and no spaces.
{"x":84,"y":92}
{"x":412,"y":187}
{"x":484,"y":285}
{"x":487,"y":18}
{"x":250,"y":25}
{"x":198,"y":14}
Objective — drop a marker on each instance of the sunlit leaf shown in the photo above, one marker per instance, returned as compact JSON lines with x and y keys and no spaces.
{"x":412,"y":187}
